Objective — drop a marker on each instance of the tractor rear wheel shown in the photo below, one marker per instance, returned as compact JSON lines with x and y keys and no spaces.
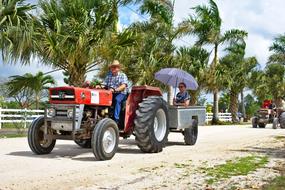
{"x":254,"y":122}
{"x":83,"y":143}
{"x":275,"y":123}
{"x":36,"y":140}
{"x":105,"y":139}
{"x":191,"y":134}
{"x":282,"y":120}
{"x":151,"y":124}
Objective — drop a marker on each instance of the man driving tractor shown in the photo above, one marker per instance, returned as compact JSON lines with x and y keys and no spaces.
{"x":117,"y":81}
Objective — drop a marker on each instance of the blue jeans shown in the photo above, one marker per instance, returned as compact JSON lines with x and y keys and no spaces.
{"x":118,"y":98}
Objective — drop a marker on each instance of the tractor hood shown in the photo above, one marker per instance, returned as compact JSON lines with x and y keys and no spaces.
{"x":76,"y":95}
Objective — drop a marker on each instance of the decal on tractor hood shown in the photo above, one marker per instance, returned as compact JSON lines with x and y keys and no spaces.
{"x":94,"y":97}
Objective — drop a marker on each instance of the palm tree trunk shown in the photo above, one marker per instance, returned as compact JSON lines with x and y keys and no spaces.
{"x":115,"y":13}
{"x":193,"y":98}
{"x":234,"y":106}
{"x":216,"y":108}
{"x":77,"y":77}
{"x":278,"y":102}
{"x":170,"y":95}
{"x":37,"y":100}
{"x":243,"y":106}
{"x":216,"y":91}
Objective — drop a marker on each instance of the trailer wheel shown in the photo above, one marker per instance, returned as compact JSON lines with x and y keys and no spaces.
{"x":254,"y":122}
{"x":83,"y":143}
{"x":262,"y":125}
{"x":105,"y":139}
{"x":151,"y":124}
{"x":36,"y":140}
{"x":275,"y":123}
{"x":282,"y":120}
{"x":191,"y":134}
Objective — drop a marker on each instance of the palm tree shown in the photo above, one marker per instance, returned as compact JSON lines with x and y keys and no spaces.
{"x":275,"y":80}
{"x":30,"y":83}
{"x":278,"y":49}
{"x":15,"y":31}
{"x":206,"y":25}
{"x":236,"y":71}
{"x":193,"y":60}
{"x":152,"y":44}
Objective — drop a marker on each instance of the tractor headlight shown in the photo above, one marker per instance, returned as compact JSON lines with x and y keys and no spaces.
{"x":70,"y":113}
{"x":50,"y":112}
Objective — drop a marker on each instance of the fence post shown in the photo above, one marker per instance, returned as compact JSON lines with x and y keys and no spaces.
{"x":25,"y":118}
{"x":0,"y":117}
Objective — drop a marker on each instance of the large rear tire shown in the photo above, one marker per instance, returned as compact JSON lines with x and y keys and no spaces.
{"x":151,"y":124}
{"x":191,"y":134}
{"x":105,"y":139}
{"x":36,"y":140}
{"x":83,"y":143}
{"x":275,"y":123}
{"x":254,"y":122}
{"x":282,"y":120}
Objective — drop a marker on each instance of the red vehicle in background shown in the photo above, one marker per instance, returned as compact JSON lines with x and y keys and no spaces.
{"x":264,"y":115}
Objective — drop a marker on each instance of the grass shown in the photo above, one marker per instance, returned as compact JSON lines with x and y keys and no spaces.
{"x":280,"y":137}
{"x":276,"y":184}
{"x":2,"y":136}
{"x":240,"y":166}
{"x":13,"y":125}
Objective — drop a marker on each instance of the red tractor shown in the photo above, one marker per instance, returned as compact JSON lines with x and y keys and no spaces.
{"x":264,"y":115}
{"x":85,"y":116}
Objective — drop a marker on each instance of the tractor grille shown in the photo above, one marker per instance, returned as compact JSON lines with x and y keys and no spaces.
{"x":61,"y":113}
{"x":62,"y":95}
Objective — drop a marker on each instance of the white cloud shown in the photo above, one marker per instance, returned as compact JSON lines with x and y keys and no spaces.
{"x":257,"y":46}
{"x":262,"y":19}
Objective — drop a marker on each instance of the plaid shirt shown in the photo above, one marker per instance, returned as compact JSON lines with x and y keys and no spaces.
{"x":116,"y":81}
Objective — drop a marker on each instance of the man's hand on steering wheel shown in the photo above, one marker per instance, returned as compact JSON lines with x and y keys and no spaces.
{"x":109,"y":88}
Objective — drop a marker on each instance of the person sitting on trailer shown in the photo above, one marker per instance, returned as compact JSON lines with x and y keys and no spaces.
{"x":182,"y":98}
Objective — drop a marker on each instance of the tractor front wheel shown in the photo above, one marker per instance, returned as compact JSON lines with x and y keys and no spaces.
{"x":37,"y":143}
{"x":254,"y":122}
{"x":105,"y":139}
{"x":151,"y":124}
{"x":191,"y":134}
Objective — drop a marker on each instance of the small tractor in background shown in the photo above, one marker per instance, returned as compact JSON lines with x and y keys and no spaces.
{"x":264,"y":115}
{"x":85,"y":115}
{"x":268,"y":113}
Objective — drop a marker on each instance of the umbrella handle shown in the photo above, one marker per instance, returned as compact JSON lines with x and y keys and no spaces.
{"x":175,"y":89}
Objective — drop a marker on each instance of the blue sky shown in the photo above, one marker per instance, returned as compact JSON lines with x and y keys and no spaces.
{"x":263,"y":19}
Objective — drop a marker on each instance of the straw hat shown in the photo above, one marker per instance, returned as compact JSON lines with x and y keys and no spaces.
{"x":115,"y":63}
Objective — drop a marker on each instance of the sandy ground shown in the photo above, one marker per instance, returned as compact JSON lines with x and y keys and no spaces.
{"x":71,"y":167}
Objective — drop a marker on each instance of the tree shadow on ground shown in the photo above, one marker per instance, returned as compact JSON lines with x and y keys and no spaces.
{"x":273,"y":152}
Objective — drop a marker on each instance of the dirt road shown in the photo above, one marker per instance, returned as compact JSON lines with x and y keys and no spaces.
{"x":71,"y":167}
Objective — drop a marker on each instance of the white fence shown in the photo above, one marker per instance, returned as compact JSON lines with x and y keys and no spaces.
{"x":26,"y":116}
{"x":18,"y":116}
{"x":222,"y":117}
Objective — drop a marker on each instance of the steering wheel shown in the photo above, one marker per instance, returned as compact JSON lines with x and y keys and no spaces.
{"x":108,"y":88}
